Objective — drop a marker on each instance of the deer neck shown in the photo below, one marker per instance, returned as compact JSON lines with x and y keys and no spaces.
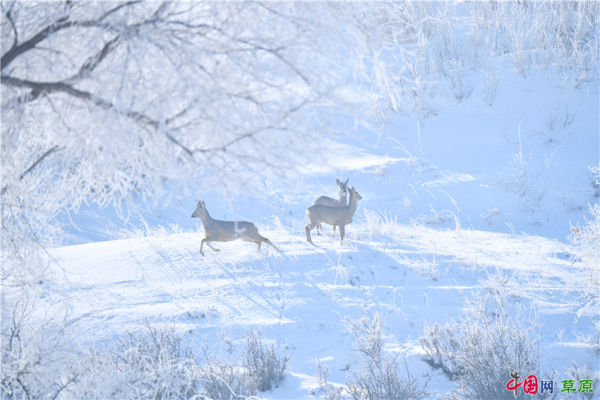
{"x":206,"y":218}
{"x":343,"y":199}
{"x":353,"y":203}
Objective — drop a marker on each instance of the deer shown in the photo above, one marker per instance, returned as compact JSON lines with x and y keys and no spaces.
{"x":336,"y":216}
{"x":226,"y":231}
{"x":331,"y":202}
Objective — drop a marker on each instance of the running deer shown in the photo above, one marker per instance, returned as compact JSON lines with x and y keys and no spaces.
{"x":336,"y":216}
{"x":226,"y":231}
{"x":331,"y":202}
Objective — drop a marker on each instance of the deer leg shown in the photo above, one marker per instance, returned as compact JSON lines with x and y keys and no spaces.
{"x":307,"y":229}
{"x":342,"y":233}
{"x":211,"y":246}
{"x":258,"y":243}
{"x":267,"y":241}
{"x":334,"y":230}
{"x":202,"y":244}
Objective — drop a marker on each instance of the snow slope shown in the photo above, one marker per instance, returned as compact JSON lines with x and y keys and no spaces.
{"x":303,"y":299}
{"x":475,"y":199}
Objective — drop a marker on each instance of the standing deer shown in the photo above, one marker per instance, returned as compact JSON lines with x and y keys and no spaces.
{"x":336,"y":216}
{"x":225,"y":231}
{"x":331,"y":202}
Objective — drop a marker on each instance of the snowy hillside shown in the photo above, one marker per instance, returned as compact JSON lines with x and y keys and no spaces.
{"x":470,"y":269}
{"x":479,"y":207}
{"x":303,"y":299}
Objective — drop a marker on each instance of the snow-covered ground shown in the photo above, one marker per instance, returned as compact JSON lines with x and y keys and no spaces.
{"x":473,"y":200}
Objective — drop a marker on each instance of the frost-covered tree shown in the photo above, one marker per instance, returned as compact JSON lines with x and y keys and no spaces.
{"x":103,"y":100}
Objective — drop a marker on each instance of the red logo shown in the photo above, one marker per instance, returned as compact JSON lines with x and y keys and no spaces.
{"x":530,"y":384}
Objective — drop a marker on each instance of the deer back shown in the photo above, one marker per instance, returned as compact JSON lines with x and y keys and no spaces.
{"x":230,"y":230}
{"x":326,"y":201}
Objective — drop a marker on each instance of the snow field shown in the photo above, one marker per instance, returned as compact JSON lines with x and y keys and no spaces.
{"x":304,"y":299}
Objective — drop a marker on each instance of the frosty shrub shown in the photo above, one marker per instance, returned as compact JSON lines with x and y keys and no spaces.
{"x":482,"y":348}
{"x":265,"y":367}
{"x":41,"y":360}
{"x":37,"y":359}
{"x":151,"y":364}
{"x":221,"y":380}
{"x":578,"y":373}
{"x":262,"y":369}
{"x":325,"y":389}
{"x":586,"y":239}
{"x":378,"y":376}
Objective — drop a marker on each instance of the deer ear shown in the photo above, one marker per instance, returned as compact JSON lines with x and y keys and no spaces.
{"x":338,"y":182}
{"x":347,"y":179}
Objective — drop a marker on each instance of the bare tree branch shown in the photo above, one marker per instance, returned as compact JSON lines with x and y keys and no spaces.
{"x":29,"y":44}
{"x":58,"y":25}
{"x":117,"y":8}
{"x":39,"y":160}
{"x":63,"y":386}
{"x":92,"y":62}
{"x":14,"y":28}
{"x":50,"y":87}
{"x":35,"y":164}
